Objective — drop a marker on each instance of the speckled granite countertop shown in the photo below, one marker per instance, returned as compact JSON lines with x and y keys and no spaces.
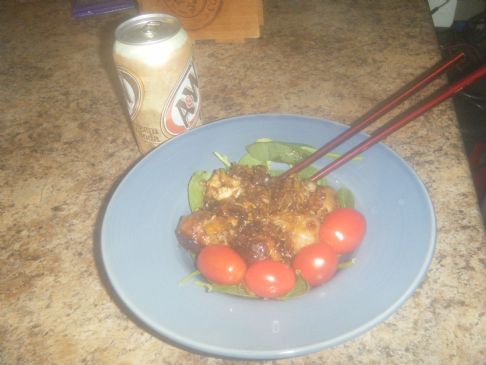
{"x":64,"y":142}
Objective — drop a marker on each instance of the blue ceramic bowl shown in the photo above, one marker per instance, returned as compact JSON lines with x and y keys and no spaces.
{"x":144,"y":263}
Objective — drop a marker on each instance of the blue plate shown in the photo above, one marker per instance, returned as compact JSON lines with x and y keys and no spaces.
{"x":144,"y":263}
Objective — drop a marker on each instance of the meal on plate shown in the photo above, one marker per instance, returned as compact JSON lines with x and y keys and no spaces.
{"x":254,"y":234}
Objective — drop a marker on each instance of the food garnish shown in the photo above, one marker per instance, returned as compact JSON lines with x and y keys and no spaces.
{"x":255,"y":235}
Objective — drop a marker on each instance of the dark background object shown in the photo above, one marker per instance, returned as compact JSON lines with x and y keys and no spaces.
{"x":470,"y":37}
{"x":82,"y":8}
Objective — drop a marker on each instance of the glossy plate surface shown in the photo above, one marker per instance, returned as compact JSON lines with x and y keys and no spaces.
{"x":144,"y":263}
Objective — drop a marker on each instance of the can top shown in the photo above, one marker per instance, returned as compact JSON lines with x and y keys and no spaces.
{"x":147,"y":29}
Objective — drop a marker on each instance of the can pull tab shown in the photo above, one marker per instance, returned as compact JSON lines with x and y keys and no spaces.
{"x":149,"y":29}
{"x":154,"y":28}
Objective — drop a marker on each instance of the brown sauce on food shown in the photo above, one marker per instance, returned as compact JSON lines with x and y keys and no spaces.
{"x":258,"y":215}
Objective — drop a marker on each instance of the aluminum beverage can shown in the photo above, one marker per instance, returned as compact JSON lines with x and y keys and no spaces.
{"x":153,"y":57}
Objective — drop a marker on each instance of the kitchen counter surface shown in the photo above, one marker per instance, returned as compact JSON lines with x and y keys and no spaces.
{"x":65,"y":140}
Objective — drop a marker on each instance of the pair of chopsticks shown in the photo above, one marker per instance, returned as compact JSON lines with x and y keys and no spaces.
{"x":396,"y":123}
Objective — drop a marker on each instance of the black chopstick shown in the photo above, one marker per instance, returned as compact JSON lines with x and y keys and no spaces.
{"x":374,"y":115}
{"x":402,"y":119}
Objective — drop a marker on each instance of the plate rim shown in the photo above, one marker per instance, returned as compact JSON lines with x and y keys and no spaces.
{"x":235,"y":353}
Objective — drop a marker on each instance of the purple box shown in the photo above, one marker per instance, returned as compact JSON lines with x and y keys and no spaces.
{"x":82,"y":8}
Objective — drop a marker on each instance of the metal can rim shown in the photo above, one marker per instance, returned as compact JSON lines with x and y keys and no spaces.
{"x":130,"y":25}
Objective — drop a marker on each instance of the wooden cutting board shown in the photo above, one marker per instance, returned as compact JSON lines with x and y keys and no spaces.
{"x":222,"y":20}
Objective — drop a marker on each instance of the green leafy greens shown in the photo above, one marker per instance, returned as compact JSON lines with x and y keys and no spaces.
{"x":196,"y":189}
{"x":266,"y":152}
{"x":263,"y":152}
{"x":300,"y":288}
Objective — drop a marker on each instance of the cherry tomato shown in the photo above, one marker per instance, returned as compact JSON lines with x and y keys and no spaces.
{"x":317,"y":263}
{"x":270,"y":279}
{"x":221,"y":265}
{"x":343,"y":229}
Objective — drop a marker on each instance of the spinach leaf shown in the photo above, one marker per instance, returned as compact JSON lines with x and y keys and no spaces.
{"x":301,"y":287}
{"x":237,"y":290}
{"x":275,"y":172}
{"x":191,"y":276}
{"x":289,"y":153}
{"x":345,"y":198}
{"x":196,"y":189}
{"x":249,"y":160}
{"x":347,"y":264}
{"x":223,"y":158}
{"x":265,"y":150}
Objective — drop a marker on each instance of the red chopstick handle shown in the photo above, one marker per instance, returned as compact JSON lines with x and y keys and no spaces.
{"x":402,"y":120}
{"x":373,"y":116}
